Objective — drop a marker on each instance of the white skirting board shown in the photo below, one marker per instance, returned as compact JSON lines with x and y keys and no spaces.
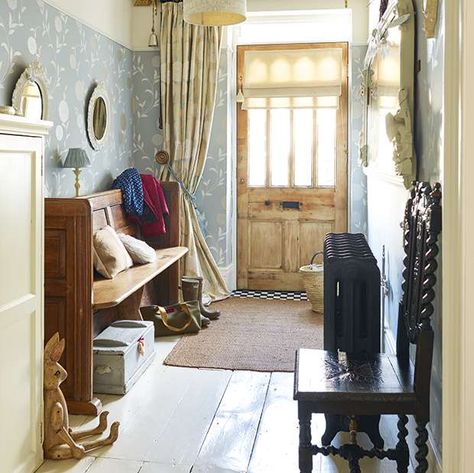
{"x":434,"y":455}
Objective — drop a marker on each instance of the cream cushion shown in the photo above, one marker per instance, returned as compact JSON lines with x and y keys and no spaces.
{"x":110,"y":256}
{"x":140,"y":252}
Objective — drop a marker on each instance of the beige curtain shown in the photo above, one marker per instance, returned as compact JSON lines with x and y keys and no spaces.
{"x":189,"y":68}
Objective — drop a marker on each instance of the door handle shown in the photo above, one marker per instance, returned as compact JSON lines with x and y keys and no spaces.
{"x":291,"y":205}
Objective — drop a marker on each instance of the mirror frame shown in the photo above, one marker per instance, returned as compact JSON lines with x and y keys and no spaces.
{"x":35,"y":72}
{"x":98,"y":92}
{"x":399,"y":13}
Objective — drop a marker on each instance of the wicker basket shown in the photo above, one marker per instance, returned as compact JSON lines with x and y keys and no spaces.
{"x":313,"y":280}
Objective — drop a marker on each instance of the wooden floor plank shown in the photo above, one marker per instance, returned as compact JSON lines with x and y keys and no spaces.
{"x":145,"y":411}
{"x":229,"y":442}
{"x":111,"y":465}
{"x":151,"y":467}
{"x":186,"y":429}
{"x":276,"y":447}
{"x":69,"y":466}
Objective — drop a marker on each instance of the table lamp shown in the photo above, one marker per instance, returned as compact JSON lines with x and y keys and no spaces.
{"x":76,"y":159}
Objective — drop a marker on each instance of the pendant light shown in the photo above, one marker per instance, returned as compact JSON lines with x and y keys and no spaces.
{"x":153,"y":40}
{"x":215,"y":12}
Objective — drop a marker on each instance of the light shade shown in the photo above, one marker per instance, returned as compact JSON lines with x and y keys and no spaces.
{"x":215,"y":12}
{"x":76,"y":158}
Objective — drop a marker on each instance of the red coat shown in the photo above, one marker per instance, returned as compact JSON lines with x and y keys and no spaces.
{"x":155,"y":200}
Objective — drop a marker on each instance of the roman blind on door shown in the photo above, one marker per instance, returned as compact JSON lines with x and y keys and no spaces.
{"x":292,"y":78}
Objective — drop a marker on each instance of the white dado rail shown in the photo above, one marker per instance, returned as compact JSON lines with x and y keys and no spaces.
{"x":21,"y":292}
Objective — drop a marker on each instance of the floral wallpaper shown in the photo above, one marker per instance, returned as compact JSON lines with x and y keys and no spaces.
{"x":213,"y":193}
{"x":75,"y":58}
{"x":213,"y":196}
{"x":147,"y":136}
{"x":358,"y":180}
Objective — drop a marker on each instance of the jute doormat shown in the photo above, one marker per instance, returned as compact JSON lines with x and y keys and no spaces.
{"x":251,"y":334}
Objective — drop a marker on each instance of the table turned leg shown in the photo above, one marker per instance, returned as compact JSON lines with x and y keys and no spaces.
{"x":305,"y":454}
{"x":421,"y":443}
{"x":403,"y":455}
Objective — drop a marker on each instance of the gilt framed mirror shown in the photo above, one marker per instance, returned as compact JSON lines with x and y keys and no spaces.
{"x":98,"y":117}
{"x":386,"y":143}
{"x":30,"y":97}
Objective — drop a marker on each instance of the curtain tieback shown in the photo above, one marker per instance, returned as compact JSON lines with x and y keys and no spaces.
{"x":192,"y":199}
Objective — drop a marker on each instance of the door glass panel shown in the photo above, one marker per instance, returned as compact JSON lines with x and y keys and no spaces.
{"x":257,"y":133}
{"x":326,"y":138}
{"x":303,"y":136}
{"x":280,"y":147}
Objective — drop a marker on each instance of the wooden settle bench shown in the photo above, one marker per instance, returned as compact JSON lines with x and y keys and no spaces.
{"x":79,"y":303}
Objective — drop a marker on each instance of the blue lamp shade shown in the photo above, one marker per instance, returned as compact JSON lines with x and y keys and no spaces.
{"x":76,"y":158}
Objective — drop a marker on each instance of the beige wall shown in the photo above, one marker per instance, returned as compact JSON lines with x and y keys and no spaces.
{"x":142,"y":16}
{"x":113,"y":18}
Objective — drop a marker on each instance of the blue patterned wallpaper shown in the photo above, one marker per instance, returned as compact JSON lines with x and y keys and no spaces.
{"x":358,"y":180}
{"x":213,"y":192}
{"x":213,"y":196}
{"x":75,"y":57}
{"x":147,"y":136}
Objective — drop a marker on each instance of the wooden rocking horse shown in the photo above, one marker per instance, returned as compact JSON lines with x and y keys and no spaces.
{"x":60,"y":442}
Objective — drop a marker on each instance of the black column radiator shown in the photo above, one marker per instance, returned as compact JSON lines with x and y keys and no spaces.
{"x":351,"y":314}
{"x":351,"y":295}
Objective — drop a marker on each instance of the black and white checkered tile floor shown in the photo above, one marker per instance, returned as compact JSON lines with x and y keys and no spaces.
{"x":275,"y":295}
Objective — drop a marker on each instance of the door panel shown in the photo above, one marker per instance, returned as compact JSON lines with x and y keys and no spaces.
{"x":292,"y":185}
{"x":266,"y":248}
{"x":311,"y":239}
{"x":21,"y":299}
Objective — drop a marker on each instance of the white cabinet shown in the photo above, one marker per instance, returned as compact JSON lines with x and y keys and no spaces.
{"x":21,"y":293}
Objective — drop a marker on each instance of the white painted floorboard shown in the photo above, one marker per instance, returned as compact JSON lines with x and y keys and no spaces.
{"x":230,"y":441}
{"x":182,"y":420}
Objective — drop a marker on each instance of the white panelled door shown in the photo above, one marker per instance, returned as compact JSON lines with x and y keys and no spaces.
{"x":21,"y":303}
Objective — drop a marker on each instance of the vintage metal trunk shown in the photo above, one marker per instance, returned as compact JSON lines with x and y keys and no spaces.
{"x":122,"y":352}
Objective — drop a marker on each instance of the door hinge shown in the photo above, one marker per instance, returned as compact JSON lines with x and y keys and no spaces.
{"x":41,"y":433}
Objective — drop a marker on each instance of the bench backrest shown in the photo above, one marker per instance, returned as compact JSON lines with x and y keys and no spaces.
{"x":107,"y":209}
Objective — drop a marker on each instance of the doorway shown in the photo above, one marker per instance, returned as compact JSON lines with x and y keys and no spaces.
{"x":292,"y":158}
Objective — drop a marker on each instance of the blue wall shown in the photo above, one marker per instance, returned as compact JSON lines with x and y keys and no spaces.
{"x":75,"y":58}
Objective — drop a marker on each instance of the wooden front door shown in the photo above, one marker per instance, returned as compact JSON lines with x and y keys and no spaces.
{"x":292,"y":184}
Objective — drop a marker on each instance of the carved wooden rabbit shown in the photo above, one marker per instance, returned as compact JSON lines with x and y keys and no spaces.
{"x":60,"y":442}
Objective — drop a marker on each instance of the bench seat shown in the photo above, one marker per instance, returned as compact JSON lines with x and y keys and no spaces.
{"x":79,"y":305}
{"x":111,"y":292}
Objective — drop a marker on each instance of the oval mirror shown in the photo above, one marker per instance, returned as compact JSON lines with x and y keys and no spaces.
{"x":97,"y":117}
{"x":30,"y":97}
{"x":31,"y":101}
{"x":100,"y":118}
